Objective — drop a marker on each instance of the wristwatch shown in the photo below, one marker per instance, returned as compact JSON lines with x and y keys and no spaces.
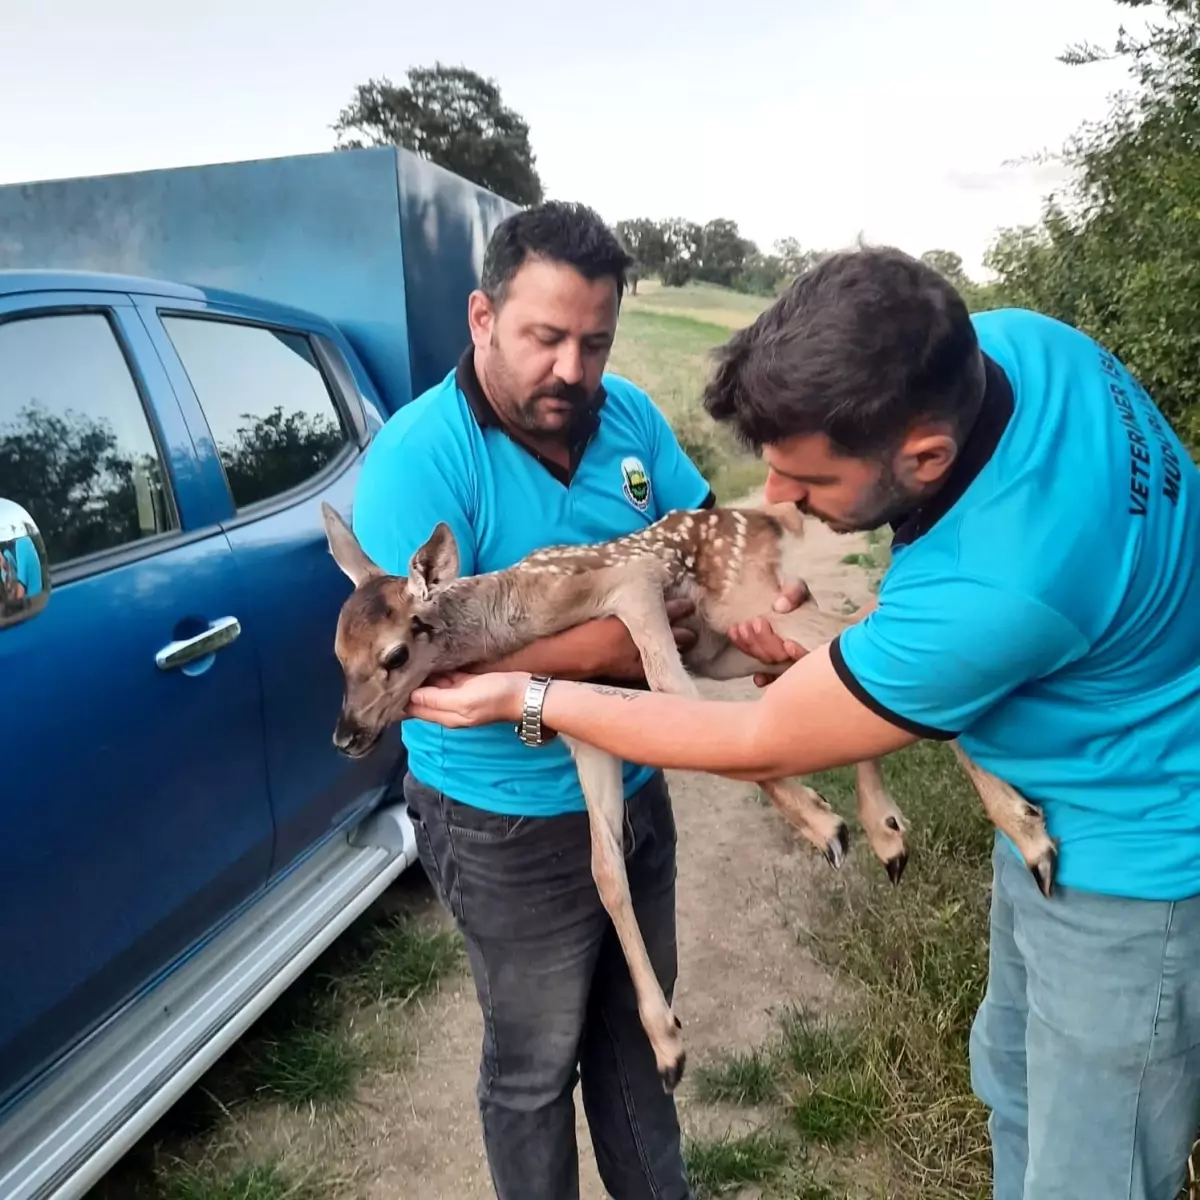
{"x":529,"y":728}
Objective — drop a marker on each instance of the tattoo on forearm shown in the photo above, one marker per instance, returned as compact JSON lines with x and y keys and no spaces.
{"x":620,"y":693}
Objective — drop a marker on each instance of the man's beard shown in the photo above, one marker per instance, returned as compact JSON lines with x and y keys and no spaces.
{"x":888,"y":503}
{"x":521,"y":411}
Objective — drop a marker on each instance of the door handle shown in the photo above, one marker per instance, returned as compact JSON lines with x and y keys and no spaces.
{"x":221,"y":633}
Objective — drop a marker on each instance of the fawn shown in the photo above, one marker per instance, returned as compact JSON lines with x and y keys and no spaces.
{"x":394,"y":632}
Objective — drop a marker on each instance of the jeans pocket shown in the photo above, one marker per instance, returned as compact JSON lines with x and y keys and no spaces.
{"x":467,"y":823}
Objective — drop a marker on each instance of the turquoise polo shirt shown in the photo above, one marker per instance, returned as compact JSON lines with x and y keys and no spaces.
{"x":446,"y":457}
{"x":23,"y":564}
{"x":1044,"y":608}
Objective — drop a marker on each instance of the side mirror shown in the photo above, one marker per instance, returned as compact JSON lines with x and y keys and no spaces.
{"x":24,"y":569}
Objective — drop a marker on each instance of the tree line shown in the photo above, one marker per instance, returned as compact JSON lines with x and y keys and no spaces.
{"x":1116,"y":253}
{"x":679,"y":251}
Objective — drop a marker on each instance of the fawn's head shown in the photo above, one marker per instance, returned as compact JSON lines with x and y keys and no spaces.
{"x":387,"y":631}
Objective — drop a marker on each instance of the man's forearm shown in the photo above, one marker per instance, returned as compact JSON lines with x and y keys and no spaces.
{"x":807,"y":722}
{"x":584,"y":652}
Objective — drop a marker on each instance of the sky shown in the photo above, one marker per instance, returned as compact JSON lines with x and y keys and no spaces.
{"x":826,"y":120}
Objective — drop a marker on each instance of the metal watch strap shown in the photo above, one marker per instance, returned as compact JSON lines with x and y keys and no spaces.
{"x":529,"y":728}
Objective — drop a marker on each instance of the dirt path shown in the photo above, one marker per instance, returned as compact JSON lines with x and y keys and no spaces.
{"x":415,"y":1132}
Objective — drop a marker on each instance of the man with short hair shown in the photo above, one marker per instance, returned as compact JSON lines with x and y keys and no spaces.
{"x":529,"y":443}
{"x":1043,"y":607}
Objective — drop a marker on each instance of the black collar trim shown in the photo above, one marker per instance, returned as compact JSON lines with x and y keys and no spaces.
{"x":580,"y":434}
{"x":994,"y":416}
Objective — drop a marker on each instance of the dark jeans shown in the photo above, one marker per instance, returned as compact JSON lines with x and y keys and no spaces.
{"x":558,"y":1005}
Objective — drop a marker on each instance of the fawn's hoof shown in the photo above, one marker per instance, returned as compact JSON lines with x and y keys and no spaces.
{"x":838,"y":847}
{"x":895,"y":867}
{"x":671,"y":1075}
{"x":669,"y":1053}
{"x":1042,"y":869}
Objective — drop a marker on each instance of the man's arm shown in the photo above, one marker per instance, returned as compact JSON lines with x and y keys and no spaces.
{"x":595,"y":649}
{"x":930,"y":667}
{"x":808,"y":721}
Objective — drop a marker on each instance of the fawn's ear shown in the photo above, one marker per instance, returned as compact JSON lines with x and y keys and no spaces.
{"x":344,"y":547}
{"x":434,"y":564}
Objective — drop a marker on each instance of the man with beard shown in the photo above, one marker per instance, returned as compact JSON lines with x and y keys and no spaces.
{"x":528,"y":443}
{"x":1041,"y":607}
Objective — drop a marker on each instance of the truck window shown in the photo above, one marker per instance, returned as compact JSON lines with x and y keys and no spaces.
{"x":267,"y":404}
{"x":76,"y":447}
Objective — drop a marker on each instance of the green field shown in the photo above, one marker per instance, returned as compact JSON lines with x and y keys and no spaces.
{"x":663,"y":345}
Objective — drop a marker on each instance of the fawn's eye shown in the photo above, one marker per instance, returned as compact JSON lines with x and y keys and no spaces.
{"x":396,"y":658}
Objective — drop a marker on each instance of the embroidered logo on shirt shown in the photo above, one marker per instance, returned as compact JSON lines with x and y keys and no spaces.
{"x":635,"y":483}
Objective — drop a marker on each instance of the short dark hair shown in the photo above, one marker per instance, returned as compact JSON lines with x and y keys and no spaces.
{"x":857,"y":348}
{"x":557,"y":231}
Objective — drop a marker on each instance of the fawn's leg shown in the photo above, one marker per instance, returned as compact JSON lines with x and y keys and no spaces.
{"x":881,"y":818}
{"x":642,"y":610}
{"x":801,"y":806}
{"x":809,"y":813}
{"x":600,"y":779}
{"x":1015,"y":817}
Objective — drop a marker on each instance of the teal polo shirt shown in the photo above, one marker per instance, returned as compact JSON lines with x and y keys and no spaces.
{"x":1044,"y":608}
{"x":446,"y":457}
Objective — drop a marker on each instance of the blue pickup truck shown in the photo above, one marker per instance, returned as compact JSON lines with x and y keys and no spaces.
{"x":191,"y":361}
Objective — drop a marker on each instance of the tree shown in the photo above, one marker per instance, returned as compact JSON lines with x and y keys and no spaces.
{"x":683,"y":241}
{"x":82,"y":487}
{"x":1119,"y":253}
{"x":451,"y":116}
{"x":793,"y":258}
{"x":268,"y":455}
{"x":722,"y":253}
{"x":761,"y":274}
{"x":69,"y":473}
{"x":947,"y":263}
{"x":644,"y":240}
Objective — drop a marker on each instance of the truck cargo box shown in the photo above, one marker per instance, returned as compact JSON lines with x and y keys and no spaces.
{"x":379,"y":241}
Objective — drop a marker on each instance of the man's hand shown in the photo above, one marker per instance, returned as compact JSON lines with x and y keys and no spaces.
{"x":758,"y":640}
{"x":462,"y":700}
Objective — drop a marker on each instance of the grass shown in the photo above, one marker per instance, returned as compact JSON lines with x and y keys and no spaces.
{"x":919,"y":954}
{"x":700,"y":301}
{"x":303,"y":1053}
{"x":748,"y":1079}
{"x":720,"y":1165}
{"x":664,"y":343}
{"x":401,"y":961}
{"x":259,"y":1181}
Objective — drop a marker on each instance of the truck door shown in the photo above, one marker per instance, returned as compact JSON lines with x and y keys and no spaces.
{"x":134,"y":809}
{"x":282,"y":435}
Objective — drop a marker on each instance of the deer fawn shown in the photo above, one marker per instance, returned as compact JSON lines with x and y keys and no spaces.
{"x":393,"y":633}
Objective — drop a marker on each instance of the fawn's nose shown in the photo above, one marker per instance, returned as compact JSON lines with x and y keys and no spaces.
{"x":347,"y":734}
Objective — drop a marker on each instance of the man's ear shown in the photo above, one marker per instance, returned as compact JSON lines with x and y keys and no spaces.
{"x":344,"y":547}
{"x":481,"y":317}
{"x":926,"y":455}
{"x":434,"y":564}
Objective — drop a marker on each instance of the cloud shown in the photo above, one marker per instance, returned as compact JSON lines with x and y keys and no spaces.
{"x":1043,"y":175}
